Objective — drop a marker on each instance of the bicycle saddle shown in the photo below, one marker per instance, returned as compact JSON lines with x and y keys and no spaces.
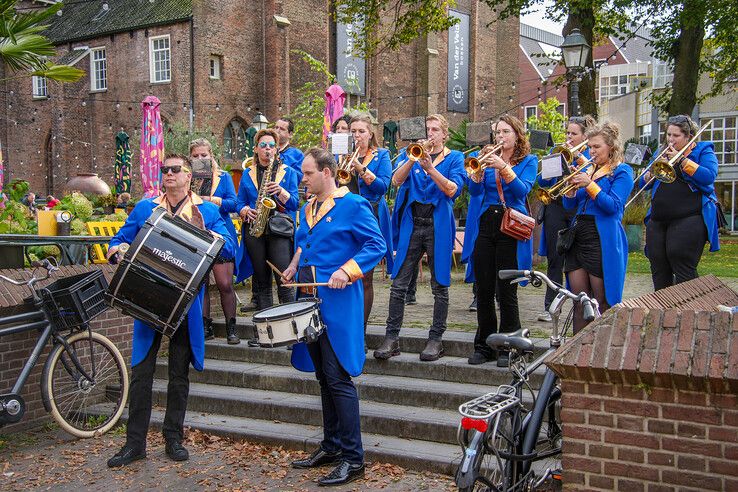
{"x":517,"y":340}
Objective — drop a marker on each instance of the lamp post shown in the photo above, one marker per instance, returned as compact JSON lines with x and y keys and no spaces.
{"x":575,"y":50}
{"x":259,"y":122}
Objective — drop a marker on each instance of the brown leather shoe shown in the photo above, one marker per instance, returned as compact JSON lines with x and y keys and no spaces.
{"x":433,"y":350}
{"x":389,"y":348}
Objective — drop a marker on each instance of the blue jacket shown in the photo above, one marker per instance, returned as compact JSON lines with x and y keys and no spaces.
{"x":343,"y":234}
{"x":143,"y":334}
{"x":224,"y":189}
{"x":381,"y":168}
{"x":419,"y":187}
{"x":247,"y":193}
{"x":292,"y":156}
{"x":485,"y":194}
{"x":547,"y":183}
{"x":703,"y":181}
{"x":607,"y":209}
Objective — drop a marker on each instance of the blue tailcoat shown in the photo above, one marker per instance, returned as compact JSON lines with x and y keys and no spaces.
{"x":607,"y":209}
{"x":223,"y":188}
{"x":485,"y":194}
{"x":419,"y":187}
{"x":703,"y":181}
{"x":345,"y":234}
{"x":380,"y":166}
{"x":292,"y":157}
{"x":547,"y":183}
{"x":248,"y":191}
{"x":143,"y":334}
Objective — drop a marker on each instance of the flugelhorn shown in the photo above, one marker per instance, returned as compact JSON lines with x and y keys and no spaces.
{"x":662,"y":168}
{"x":419,"y":150}
{"x":548,"y":195}
{"x":475,"y":165}
{"x":343,"y":173}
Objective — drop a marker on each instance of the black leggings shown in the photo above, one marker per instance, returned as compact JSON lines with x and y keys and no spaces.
{"x":223,"y":273}
{"x":674,"y":249}
{"x":278,"y":250}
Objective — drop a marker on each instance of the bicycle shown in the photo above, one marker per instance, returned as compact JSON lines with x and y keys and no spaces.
{"x":502,"y":437}
{"x":84,"y":383}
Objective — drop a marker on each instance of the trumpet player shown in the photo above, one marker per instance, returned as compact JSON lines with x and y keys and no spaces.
{"x":371,"y":178}
{"x":555,"y":216}
{"x":290,"y":155}
{"x":271,"y":178}
{"x":487,"y":249}
{"x":423,"y":222}
{"x":683,"y":214}
{"x":598,"y":255}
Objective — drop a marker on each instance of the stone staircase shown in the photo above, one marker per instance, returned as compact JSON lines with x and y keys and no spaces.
{"x":408,"y":407}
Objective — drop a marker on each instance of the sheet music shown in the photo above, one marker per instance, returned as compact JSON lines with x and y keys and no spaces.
{"x":551,"y":166}
{"x":341,"y":143}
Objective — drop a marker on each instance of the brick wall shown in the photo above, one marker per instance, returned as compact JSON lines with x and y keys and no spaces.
{"x":15,"y":349}
{"x":649,"y":401}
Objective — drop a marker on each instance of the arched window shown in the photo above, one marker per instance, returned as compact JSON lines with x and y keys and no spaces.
{"x":234,"y":140}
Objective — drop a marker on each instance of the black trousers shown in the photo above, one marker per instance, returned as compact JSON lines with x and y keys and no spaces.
{"x":278,"y":250}
{"x":494,"y":251}
{"x":178,"y":388}
{"x":674,"y":249}
{"x":555,"y":218}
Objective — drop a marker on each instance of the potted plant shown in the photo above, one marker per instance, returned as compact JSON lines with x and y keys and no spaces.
{"x":15,"y":218}
{"x":633,"y":218}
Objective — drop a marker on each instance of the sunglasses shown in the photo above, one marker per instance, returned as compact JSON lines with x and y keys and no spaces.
{"x":174,"y":169}
{"x":678,"y":119}
{"x":578,"y":119}
{"x":264,"y":145}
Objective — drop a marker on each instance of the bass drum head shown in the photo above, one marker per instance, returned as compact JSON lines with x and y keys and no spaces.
{"x":287,"y":310}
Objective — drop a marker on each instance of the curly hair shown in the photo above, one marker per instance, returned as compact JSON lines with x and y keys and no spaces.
{"x":522,"y":145}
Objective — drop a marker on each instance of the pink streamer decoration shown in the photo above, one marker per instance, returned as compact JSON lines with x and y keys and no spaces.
{"x":152,"y":147}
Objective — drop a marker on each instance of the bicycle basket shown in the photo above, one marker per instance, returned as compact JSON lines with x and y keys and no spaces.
{"x":74,"y":301}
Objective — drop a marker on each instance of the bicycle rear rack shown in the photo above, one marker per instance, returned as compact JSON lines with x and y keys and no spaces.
{"x":485,"y":406}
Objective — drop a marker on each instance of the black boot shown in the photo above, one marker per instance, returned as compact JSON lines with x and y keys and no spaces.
{"x":231,"y":335}
{"x":207,"y":324}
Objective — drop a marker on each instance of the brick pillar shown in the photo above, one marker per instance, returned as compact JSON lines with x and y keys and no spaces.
{"x":277,"y":62}
{"x":649,"y":401}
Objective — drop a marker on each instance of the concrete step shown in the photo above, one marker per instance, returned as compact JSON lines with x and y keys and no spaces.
{"x":380,"y":388}
{"x":455,"y":343}
{"x":451,"y":369}
{"x":408,"y":453}
{"x":385,"y":419}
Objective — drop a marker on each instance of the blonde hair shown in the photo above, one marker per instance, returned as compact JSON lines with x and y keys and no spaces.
{"x":583,"y":122}
{"x":610,"y":133}
{"x":439,"y":118}
{"x":364,"y":118}
{"x":201,"y":142}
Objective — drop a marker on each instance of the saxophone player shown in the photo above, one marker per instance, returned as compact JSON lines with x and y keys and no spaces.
{"x":267,"y":201}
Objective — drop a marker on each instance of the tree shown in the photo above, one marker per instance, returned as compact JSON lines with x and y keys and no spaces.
{"x":24,"y":49}
{"x":549,"y":119}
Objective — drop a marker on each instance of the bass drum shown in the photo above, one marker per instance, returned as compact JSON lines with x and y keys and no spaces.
{"x":163,"y":271}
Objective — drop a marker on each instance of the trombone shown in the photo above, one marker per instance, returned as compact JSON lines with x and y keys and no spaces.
{"x":662,"y":168}
{"x":546,"y":196}
{"x":343,"y":173}
{"x":475,"y":165}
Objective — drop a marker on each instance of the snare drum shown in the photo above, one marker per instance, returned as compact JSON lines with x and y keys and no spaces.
{"x":289,"y":323}
{"x":163,"y":270}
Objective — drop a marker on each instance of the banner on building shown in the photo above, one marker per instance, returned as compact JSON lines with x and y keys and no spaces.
{"x":458,"y":63}
{"x":350,"y":69}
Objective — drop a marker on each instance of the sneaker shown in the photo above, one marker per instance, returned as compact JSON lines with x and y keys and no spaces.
{"x":176,"y":451}
{"x":127,"y":454}
{"x":410,"y":301}
{"x":545,"y":316}
{"x":473,"y":306}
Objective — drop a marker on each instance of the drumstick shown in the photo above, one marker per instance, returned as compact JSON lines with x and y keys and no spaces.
{"x":311,"y":284}
{"x":276,"y":270}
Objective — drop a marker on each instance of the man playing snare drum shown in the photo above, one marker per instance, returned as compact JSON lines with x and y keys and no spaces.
{"x":337,"y":241}
{"x":187,"y":345}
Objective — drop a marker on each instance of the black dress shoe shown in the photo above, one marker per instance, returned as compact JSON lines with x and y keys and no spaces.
{"x":410,"y":301}
{"x":318,"y":458}
{"x":433,"y":350}
{"x":127,"y":454}
{"x":389,"y":348}
{"x":207,"y":324}
{"x":345,"y":472}
{"x":251,"y":306}
{"x":479,"y":358}
{"x":176,"y":451}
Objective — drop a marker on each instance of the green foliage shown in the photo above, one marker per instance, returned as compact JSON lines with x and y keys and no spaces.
{"x":635,"y":214}
{"x":457,"y":137}
{"x":550,"y":120}
{"x":17,"y":189}
{"x":102,"y":201}
{"x":388,"y":24}
{"x":15,"y":218}
{"x":79,"y":206}
{"x":117,"y":217}
{"x":177,"y":138}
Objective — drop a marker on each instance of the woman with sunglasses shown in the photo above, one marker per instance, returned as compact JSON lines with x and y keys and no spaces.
{"x":683,"y":214}
{"x":489,"y":250}
{"x":556,"y":217}
{"x":595,"y":263}
{"x":275,"y":244}
{"x":371,"y":179}
{"x":223,"y":195}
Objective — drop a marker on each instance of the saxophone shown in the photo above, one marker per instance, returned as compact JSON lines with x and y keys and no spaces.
{"x":264,"y":203}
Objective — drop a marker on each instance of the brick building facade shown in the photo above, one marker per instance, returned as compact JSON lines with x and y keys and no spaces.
{"x":227,"y":59}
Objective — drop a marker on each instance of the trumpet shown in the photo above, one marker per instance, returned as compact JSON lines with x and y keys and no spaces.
{"x":567,"y":152}
{"x":662,"y":168}
{"x":546,"y":196}
{"x":419,"y":150}
{"x":475,"y":165}
{"x":343,"y":173}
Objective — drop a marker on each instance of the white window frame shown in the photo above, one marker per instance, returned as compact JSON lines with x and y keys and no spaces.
{"x":98,"y":70}
{"x":526,"y":115}
{"x":39,"y":87}
{"x":167,"y":61}
{"x":215,"y":67}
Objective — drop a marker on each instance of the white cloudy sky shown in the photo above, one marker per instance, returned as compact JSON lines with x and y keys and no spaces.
{"x":537,"y":18}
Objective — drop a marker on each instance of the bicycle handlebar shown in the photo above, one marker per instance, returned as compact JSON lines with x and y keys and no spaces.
{"x":46,"y":263}
{"x":538,"y":278}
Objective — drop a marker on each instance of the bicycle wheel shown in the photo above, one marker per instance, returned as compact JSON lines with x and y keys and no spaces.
{"x":549,"y":445}
{"x":82,"y":407}
{"x":486,"y":470}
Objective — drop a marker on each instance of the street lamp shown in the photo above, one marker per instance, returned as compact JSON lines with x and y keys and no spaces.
{"x":259,"y":122}
{"x":575,"y":50}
